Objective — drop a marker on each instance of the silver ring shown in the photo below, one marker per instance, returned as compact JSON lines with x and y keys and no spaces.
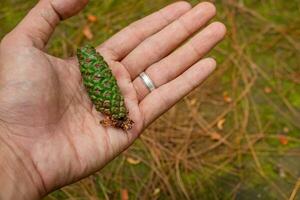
{"x":147,"y":81}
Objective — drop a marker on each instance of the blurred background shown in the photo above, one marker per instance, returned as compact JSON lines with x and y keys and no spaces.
{"x":237,"y":136}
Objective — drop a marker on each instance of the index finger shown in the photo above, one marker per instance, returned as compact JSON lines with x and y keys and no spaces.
{"x":130,"y":37}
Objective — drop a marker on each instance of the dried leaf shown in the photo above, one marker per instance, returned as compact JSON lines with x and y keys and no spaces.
{"x":286,"y":130}
{"x":193,"y":102}
{"x":156,"y":191}
{"x":220,"y":124}
{"x":283,"y":139}
{"x":215,"y":136}
{"x":92,"y":18}
{"x":226,"y":97}
{"x":87,"y":32}
{"x":282,"y":173}
{"x":268,"y":90}
{"x":124,"y":194}
{"x":133,"y":161}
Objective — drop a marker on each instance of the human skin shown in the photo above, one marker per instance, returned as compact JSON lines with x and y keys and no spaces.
{"x":49,"y":130}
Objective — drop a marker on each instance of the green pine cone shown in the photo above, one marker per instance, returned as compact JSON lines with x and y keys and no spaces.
{"x":102,"y":88}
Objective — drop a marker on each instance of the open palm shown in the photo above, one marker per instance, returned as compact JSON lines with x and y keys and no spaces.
{"x":50,"y":120}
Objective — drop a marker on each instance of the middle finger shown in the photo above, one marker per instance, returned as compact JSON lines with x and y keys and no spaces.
{"x":162,"y":43}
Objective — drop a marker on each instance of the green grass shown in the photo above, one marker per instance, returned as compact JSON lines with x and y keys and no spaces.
{"x":178,"y":158}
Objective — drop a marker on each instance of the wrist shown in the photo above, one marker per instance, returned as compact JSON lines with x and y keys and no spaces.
{"x":17,"y":179}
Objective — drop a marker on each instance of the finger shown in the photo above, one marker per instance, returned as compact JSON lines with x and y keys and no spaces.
{"x":39,"y":24}
{"x":162,"y":43}
{"x":180,"y":60}
{"x":127,"y":39}
{"x":163,"y":98}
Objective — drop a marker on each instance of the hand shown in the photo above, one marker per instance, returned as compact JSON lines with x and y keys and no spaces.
{"x":48,"y":124}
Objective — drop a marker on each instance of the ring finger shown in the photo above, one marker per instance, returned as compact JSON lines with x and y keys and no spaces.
{"x":180,"y":60}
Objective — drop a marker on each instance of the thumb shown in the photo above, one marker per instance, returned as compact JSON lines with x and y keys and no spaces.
{"x":37,"y":27}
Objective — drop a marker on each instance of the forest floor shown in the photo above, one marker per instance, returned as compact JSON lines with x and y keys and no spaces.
{"x":237,"y":136}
